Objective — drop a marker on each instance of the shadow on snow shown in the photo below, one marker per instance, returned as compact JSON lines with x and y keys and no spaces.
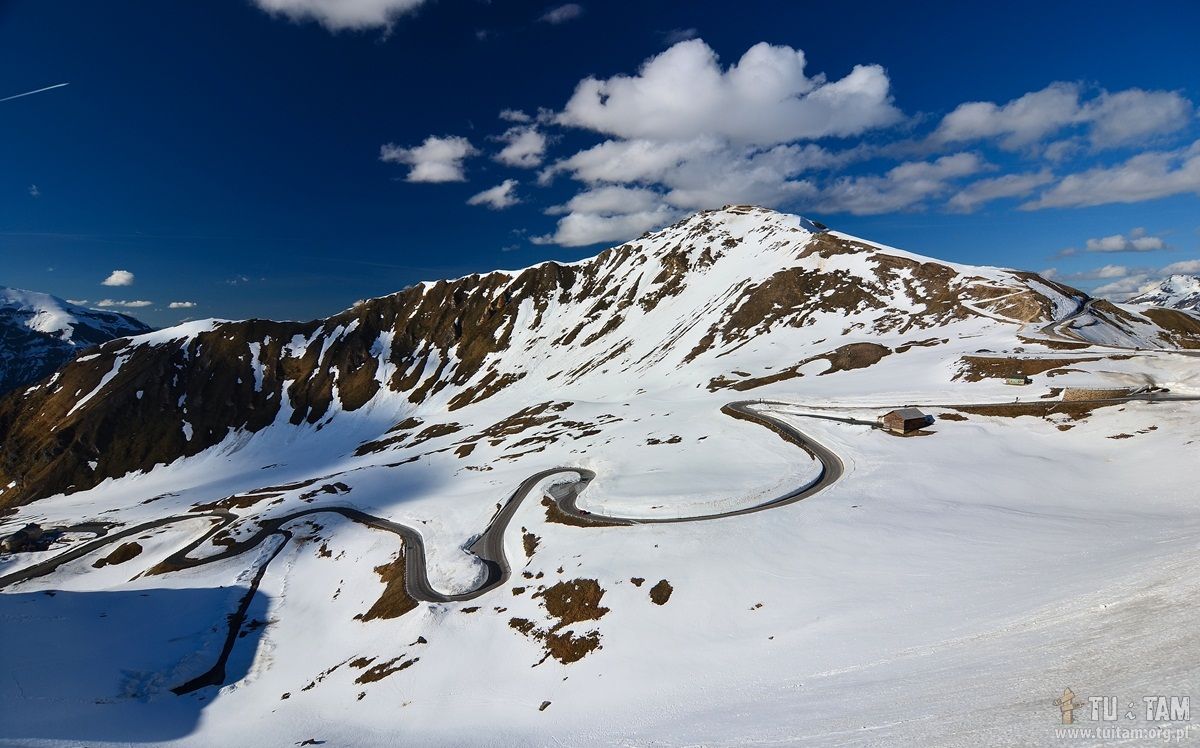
{"x":101,"y":665}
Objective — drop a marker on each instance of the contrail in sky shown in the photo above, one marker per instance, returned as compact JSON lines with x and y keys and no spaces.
{"x":31,"y":93}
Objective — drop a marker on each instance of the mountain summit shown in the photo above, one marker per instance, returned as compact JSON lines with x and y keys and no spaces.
{"x":1174,"y":292}
{"x":40,"y":332}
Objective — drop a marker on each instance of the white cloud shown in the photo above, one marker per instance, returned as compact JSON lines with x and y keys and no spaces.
{"x":435,"y":160}
{"x":903,"y":187}
{"x":34,"y":191}
{"x":107,"y":303}
{"x":77,"y":302}
{"x":1134,"y":114}
{"x":1123,"y":287}
{"x":1104,"y":272}
{"x":118,"y":278}
{"x":764,"y":99}
{"x":1184,"y":267}
{"x":338,"y":15}
{"x":986,"y":190}
{"x":525,"y":147}
{"x":499,"y":197}
{"x":1146,"y":176}
{"x":562,"y":13}
{"x":182,"y":305}
{"x":702,"y":173}
{"x":609,"y":201}
{"x":515,"y":115}
{"x":1110,"y":119}
{"x":582,"y":229}
{"x":1137,"y":241}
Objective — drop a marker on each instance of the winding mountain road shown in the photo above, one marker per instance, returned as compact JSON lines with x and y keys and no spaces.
{"x":488,"y":547}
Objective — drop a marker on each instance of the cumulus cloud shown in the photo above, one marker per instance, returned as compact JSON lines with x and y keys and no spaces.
{"x":438,"y":159}
{"x":1184,"y":267}
{"x":903,"y":187}
{"x":525,"y":148}
{"x":108,"y":303}
{"x":499,"y":197}
{"x":609,"y":201}
{"x":582,"y":229}
{"x":1104,"y":272}
{"x":1123,"y":287}
{"x":983,"y":191}
{"x":515,"y":115}
{"x":77,"y":302}
{"x":338,"y":15}
{"x":34,"y":191}
{"x":763,"y":99}
{"x":1110,"y":119}
{"x":1146,"y":176}
{"x":182,"y":305}
{"x":118,"y":278}
{"x":1136,"y":241}
{"x":562,"y":13}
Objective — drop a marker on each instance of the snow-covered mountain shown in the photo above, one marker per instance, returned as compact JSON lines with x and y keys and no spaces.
{"x":1173,"y":292}
{"x":297,"y":520}
{"x":40,"y":332}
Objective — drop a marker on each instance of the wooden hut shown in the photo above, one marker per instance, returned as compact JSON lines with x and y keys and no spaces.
{"x":904,"y":420}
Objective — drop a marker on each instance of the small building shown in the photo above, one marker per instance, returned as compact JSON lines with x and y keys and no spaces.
{"x":1018,"y":380}
{"x":25,"y":539}
{"x":904,"y":420}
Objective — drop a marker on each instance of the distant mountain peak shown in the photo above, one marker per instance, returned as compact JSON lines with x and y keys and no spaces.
{"x":40,"y":332}
{"x":1173,"y":292}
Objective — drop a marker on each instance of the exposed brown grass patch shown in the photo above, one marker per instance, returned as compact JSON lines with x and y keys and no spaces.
{"x":559,"y":517}
{"x":978,"y":368}
{"x":571,"y":602}
{"x":661,"y":592}
{"x":384,"y":669}
{"x":530,"y":541}
{"x":395,"y":601}
{"x":123,"y":553}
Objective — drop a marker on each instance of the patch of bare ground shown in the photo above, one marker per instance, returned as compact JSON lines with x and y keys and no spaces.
{"x":571,"y":603}
{"x":559,"y":517}
{"x":1073,"y":411}
{"x":384,"y":669}
{"x":844,"y":358}
{"x":395,"y":601}
{"x":401,"y":440}
{"x":661,"y":592}
{"x":951,"y":417}
{"x":927,"y":343}
{"x":673,"y":439}
{"x":978,"y":368}
{"x":124,"y":552}
{"x":1121,"y":436}
{"x":530,"y":541}
{"x":1054,"y":344}
{"x":637,"y":581}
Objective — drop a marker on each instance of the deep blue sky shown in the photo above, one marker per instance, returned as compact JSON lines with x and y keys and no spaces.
{"x":205,"y":142}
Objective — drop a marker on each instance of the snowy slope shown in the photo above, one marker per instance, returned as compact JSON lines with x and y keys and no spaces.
{"x":40,"y":332}
{"x":931,"y":571}
{"x":1174,"y":292}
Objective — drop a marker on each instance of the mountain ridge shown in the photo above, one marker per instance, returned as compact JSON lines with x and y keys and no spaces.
{"x":706,"y":303}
